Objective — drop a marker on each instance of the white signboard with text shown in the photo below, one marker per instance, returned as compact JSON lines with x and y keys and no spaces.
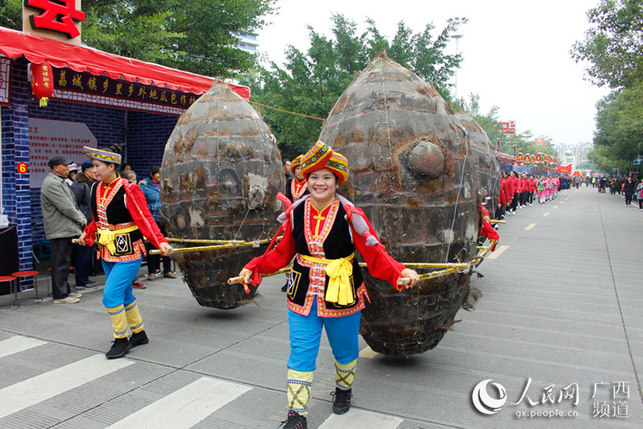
{"x":48,"y":138}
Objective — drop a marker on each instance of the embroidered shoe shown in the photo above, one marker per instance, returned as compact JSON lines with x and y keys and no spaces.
{"x":341,"y":400}
{"x":138,"y":339}
{"x":119,"y":348}
{"x":295,"y":421}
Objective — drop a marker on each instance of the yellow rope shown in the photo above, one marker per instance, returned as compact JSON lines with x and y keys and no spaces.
{"x":286,"y":111}
{"x":197,"y":241}
{"x":449,"y":268}
{"x":215,"y":247}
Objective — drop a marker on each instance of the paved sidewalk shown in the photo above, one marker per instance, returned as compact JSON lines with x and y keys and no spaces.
{"x":561,"y":306}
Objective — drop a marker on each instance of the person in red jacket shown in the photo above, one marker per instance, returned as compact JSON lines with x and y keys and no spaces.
{"x":121,"y":219}
{"x":512,"y":196}
{"x":531,"y":188}
{"x":322,"y":231}
{"x":502,"y":197}
{"x":484,"y":226}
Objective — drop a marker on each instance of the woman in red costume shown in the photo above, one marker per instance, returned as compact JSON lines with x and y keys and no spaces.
{"x":326,"y":290}
{"x":121,"y":219}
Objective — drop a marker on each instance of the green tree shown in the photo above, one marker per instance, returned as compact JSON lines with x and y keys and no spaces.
{"x":310,"y":82}
{"x":614,"y":49}
{"x":619,"y":136}
{"x":11,"y":14}
{"x":613,"y":46}
{"x":197,"y":36}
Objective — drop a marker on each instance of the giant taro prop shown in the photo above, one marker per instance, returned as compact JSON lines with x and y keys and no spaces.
{"x":411,"y":167}
{"x":486,"y":165}
{"x":220,"y":176}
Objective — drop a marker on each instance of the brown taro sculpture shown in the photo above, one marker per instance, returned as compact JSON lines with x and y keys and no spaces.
{"x":220,"y":176}
{"x":413,"y":171}
{"x":485,"y":163}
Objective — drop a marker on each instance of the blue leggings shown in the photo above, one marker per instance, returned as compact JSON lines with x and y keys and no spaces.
{"x":305,"y":336}
{"x":118,"y":287}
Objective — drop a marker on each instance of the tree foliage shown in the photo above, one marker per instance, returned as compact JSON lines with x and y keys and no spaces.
{"x":11,"y":14}
{"x":197,"y":36}
{"x":310,"y":82}
{"x":613,"y":46}
{"x":619,"y":136}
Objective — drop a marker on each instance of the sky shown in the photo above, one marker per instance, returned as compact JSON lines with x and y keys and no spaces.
{"x":516,"y":53}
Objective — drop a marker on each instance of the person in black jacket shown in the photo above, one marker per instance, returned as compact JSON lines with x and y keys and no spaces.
{"x":629,"y":187}
{"x":82,"y":254}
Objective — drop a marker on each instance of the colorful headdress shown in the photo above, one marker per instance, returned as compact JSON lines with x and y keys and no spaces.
{"x":316,"y":158}
{"x":321,"y":156}
{"x":338,"y":164}
{"x":103,"y":155}
{"x":295,"y":163}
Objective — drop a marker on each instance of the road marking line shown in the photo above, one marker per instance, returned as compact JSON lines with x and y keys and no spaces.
{"x":546,"y":214}
{"x":367,"y":353}
{"x":498,"y":252}
{"x":186,"y":407}
{"x":49,"y":384}
{"x":530,"y":226}
{"x":17,"y":344}
{"x":556,"y":206}
{"x":360,"y":419}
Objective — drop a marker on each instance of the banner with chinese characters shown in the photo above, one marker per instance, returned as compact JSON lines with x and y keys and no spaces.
{"x":48,"y":138}
{"x":508,"y":127}
{"x":86,"y":88}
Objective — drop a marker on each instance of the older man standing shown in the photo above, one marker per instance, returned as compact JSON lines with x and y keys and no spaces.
{"x":63,"y":221}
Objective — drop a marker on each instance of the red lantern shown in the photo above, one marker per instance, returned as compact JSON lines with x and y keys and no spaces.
{"x":42,"y":81}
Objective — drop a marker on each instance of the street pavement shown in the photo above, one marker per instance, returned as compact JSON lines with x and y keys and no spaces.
{"x":557,"y":332}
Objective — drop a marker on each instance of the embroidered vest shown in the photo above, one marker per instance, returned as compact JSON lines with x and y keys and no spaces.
{"x":308,"y":280}
{"x":111,"y":213}
{"x":295,"y":190}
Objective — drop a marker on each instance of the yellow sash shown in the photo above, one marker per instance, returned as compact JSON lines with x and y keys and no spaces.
{"x":339,"y":289}
{"x":107,"y":237}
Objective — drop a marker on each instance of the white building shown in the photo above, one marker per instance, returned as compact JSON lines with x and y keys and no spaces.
{"x":248,"y":42}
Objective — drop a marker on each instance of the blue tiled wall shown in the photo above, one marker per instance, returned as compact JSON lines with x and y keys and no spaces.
{"x":147,"y":134}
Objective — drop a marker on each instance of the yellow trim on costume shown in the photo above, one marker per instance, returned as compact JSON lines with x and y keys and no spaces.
{"x":134,"y":319}
{"x":119,"y":321}
{"x":107,"y":237}
{"x":339,"y":288}
{"x":103,"y":155}
{"x":345,"y":374}
{"x":298,"y":384}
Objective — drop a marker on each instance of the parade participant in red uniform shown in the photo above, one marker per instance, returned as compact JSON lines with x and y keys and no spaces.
{"x":121,"y":219}
{"x":532,"y":188}
{"x":296,"y":187}
{"x":485,"y":228}
{"x":505,"y":192}
{"x":513,"y":192}
{"x":326,"y":290}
